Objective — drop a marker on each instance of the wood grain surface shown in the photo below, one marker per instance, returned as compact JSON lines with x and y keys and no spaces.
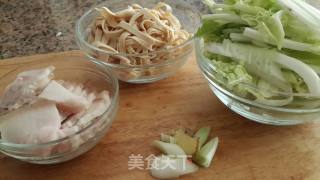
{"x":247,"y":150}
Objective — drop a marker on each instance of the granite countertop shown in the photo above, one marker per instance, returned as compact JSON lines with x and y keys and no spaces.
{"x":41,"y":26}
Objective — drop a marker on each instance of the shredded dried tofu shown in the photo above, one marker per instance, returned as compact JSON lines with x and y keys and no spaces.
{"x":137,"y":30}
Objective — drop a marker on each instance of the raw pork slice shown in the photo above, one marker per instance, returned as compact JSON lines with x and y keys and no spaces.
{"x":26,"y":87}
{"x":79,"y":90}
{"x":73,"y":142}
{"x":67,"y":101}
{"x":31,"y":124}
{"x":98,"y":107}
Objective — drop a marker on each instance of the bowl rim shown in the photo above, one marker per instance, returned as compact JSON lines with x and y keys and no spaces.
{"x":203,"y":61}
{"x":113,"y":104}
{"x":82,"y":42}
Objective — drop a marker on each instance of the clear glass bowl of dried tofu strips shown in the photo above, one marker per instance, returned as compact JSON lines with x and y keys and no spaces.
{"x":140,"y":41}
{"x":51,"y":112}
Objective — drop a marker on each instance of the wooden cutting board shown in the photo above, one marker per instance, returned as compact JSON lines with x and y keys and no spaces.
{"x":247,"y":150}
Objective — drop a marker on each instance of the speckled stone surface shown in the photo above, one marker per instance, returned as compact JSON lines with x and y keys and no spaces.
{"x":41,"y":26}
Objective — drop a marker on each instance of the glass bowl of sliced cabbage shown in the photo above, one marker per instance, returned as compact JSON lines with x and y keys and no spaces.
{"x":51,"y":112}
{"x":262,"y":58}
{"x":140,"y":41}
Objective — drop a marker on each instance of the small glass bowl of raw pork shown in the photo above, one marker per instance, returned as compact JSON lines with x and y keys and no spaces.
{"x":261,"y":59}
{"x":51,"y":112}
{"x":140,"y":41}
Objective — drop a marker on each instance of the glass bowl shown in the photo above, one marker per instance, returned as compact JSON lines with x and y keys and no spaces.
{"x":74,"y":70}
{"x":296,"y":113}
{"x":172,"y":59}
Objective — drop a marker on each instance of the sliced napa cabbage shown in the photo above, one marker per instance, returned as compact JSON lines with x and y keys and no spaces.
{"x":257,"y":61}
{"x":304,"y":12}
{"x":306,"y":57}
{"x":305,"y":103}
{"x":269,"y":95}
{"x":272,"y":18}
{"x":217,"y":30}
{"x":272,"y":29}
{"x":224,"y":18}
{"x":252,"y":34}
{"x":297,"y":83}
{"x":233,"y":76}
{"x":316,"y":69}
{"x":298,"y":30}
{"x":267,"y":64}
{"x":236,"y":79}
{"x":265,"y":4}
